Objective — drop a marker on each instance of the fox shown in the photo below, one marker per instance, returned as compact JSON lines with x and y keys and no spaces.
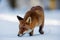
{"x":33,"y":18}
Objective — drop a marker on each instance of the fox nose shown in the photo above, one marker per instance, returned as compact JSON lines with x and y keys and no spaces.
{"x":20,"y":35}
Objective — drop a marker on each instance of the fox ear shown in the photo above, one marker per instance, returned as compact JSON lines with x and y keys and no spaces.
{"x":19,"y":18}
{"x":28,"y":20}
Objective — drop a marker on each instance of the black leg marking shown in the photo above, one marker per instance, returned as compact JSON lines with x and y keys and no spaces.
{"x":31,"y":33}
{"x":41,"y":29}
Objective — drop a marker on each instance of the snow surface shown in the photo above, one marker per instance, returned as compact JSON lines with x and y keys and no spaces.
{"x":9,"y":25}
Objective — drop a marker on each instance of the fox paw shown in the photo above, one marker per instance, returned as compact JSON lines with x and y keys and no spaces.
{"x":41,"y":32}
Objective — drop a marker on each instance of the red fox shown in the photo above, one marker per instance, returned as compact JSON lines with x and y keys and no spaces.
{"x":34,"y":17}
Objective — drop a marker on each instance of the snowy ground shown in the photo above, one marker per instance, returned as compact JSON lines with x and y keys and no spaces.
{"x":9,"y":27}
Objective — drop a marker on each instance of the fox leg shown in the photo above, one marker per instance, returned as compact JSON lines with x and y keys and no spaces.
{"x":31,"y":33}
{"x":41,"y":29}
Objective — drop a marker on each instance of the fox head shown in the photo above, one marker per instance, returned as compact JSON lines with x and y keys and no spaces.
{"x":24,"y":25}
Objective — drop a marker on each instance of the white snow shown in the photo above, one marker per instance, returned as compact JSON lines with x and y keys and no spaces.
{"x":9,"y":25}
{"x":9,"y":28}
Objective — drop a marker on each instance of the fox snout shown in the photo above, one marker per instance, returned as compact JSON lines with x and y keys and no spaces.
{"x":20,"y":35}
{"x":25,"y":32}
